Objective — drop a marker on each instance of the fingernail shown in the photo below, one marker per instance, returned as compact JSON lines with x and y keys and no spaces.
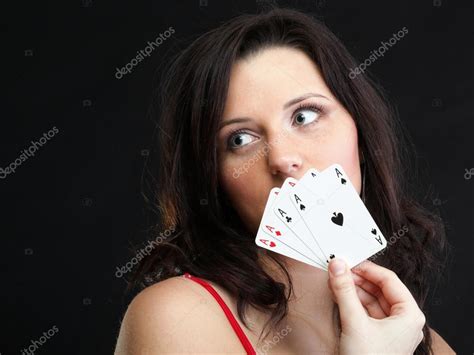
{"x":337,"y":267}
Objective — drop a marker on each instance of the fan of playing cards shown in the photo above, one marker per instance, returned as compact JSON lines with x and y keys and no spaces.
{"x":317,"y":218}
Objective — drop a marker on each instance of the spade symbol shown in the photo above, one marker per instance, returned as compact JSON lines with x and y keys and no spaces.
{"x":338,"y":219}
{"x":302,"y":207}
{"x":374,"y":231}
{"x":343,"y":181}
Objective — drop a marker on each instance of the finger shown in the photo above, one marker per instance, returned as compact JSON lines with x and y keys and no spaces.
{"x":373,"y":290}
{"x":332,"y":292}
{"x":394,"y":291}
{"x":371,"y":304}
{"x":342,"y":285}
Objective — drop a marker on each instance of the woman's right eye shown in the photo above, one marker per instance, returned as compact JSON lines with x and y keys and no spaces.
{"x":239,"y":139}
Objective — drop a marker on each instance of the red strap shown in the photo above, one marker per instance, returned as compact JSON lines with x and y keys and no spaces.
{"x":233,"y":322}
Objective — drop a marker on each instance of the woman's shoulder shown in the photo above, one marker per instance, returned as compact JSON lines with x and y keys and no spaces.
{"x":160,"y":316}
{"x":172,"y":291}
{"x":439,"y":345}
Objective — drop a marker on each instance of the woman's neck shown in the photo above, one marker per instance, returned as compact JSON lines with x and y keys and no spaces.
{"x":312,"y":314}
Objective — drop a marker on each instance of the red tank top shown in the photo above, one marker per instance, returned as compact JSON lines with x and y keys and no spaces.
{"x":233,"y":322}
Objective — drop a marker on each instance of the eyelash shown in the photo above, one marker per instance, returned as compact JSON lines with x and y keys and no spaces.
{"x":317,"y":108}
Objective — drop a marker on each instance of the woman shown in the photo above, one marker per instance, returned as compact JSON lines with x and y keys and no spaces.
{"x":279,"y":79}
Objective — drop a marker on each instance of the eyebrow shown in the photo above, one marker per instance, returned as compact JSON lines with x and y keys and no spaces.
{"x":285,"y":106}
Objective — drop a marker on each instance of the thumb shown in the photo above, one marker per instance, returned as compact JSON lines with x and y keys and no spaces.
{"x":342,"y":285}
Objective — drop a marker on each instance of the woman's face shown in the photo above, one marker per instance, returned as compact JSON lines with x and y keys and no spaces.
{"x":280,"y":119}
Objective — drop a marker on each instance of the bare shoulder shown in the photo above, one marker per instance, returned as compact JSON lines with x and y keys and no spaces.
{"x":175,"y":315}
{"x":440,"y":346}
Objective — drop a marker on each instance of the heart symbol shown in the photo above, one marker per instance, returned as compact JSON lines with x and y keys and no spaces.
{"x":338,"y":219}
{"x":374,"y":231}
{"x":266,"y":242}
{"x":302,"y":207}
{"x":343,"y":181}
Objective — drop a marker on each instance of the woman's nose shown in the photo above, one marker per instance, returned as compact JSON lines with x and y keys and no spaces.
{"x":284,"y":157}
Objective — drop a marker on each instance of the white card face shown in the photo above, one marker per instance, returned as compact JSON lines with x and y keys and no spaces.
{"x":326,"y":182}
{"x":337,"y":217}
{"x":348,"y":202}
{"x":288,"y":214}
{"x":358,"y":217}
{"x":301,"y":193}
{"x":340,"y":191}
{"x":268,"y":241}
{"x":312,"y":176}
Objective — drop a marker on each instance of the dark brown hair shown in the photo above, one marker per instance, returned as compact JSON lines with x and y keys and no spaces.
{"x":210,"y":240}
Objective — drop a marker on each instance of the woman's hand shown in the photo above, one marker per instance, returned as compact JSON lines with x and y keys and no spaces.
{"x":379,"y":315}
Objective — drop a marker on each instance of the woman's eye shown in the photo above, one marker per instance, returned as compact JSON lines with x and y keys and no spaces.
{"x":306,"y":116}
{"x":239,"y":139}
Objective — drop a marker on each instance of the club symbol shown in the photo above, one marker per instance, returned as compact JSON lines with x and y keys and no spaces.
{"x":288,"y":219}
{"x":338,"y":219}
{"x":343,"y":181}
{"x":332,"y":256}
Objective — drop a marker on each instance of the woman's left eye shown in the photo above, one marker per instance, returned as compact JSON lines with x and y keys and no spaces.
{"x":307,"y":115}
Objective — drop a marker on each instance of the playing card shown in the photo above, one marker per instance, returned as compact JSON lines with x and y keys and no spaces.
{"x":288,"y":214}
{"x":273,"y":235}
{"x":346,"y":197}
{"x":336,"y":216}
{"x":271,"y":225}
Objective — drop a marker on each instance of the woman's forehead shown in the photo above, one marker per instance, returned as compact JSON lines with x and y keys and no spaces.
{"x":274,"y":76}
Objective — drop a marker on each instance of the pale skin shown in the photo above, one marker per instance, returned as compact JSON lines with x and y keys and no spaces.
{"x":378,"y":314}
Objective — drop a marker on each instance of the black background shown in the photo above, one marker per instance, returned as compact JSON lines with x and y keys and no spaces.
{"x":71,"y":212}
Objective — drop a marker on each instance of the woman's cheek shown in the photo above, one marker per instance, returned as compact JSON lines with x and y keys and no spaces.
{"x":245,"y":192}
{"x":348,"y":158}
{"x":341,"y":147}
{"x":231,"y":177}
